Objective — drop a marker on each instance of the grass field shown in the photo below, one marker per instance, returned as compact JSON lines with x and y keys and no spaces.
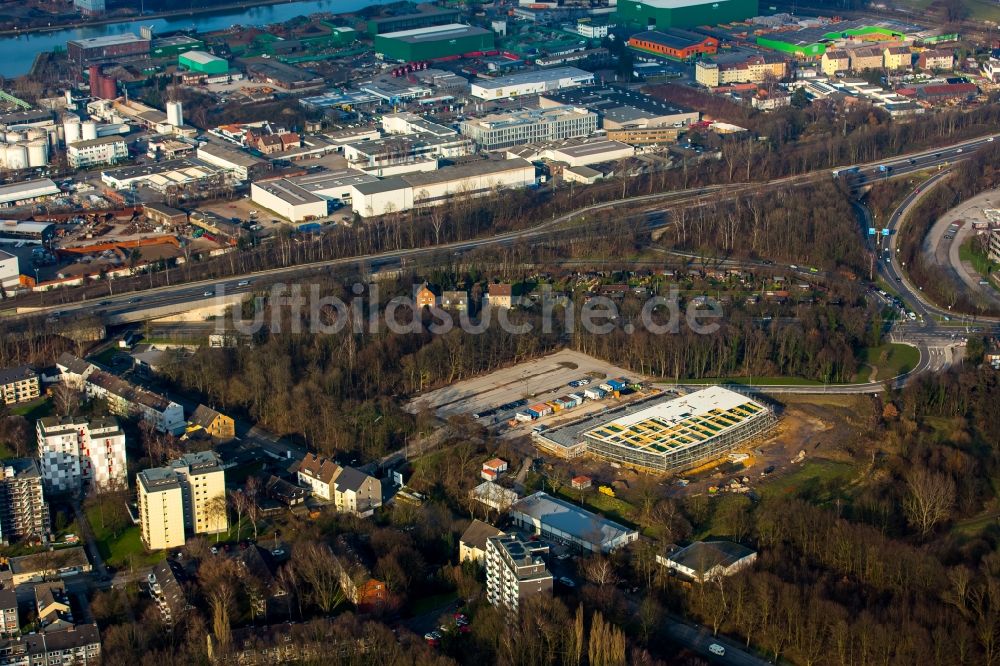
{"x":973,"y":253}
{"x":891,"y":360}
{"x":35,"y":409}
{"x":116,"y":550}
{"x":817,"y":480}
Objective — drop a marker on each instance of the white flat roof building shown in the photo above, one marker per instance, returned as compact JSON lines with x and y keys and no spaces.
{"x":556,"y":518}
{"x":288,"y":200}
{"x":333,"y":184}
{"x":530,"y":83}
{"x":27,"y":191}
{"x":504,"y":130}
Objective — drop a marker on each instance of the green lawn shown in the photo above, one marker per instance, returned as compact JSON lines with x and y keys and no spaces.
{"x":35,"y":409}
{"x":973,"y":253}
{"x":818,"y":480}
{"x":614,"y":508}
{"x":116,"y":549}
{"x":891,"y":360}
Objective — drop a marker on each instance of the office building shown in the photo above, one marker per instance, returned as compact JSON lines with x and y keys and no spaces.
{"x":515,"y":570}
{"x":683,"y":13}
{"x":621,"y":108}
{"x":504,"y":130}
{"x":18,"y":384}
{"x":242,"y":165}
{"x":187,"y":496}
{"x":77,"y":454}
{"x":24,"y":513}
{"x":102,"y":151}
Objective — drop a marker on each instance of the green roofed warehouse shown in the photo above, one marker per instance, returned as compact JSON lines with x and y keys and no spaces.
{"x":203,"y":63}
{"x":683,"y":13}
{"x":439,"y":41}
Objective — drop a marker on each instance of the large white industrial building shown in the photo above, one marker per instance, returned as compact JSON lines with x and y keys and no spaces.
{"x":433,"y":188}
{"x":288,"y":200}
{"x":530,"y":83}
{"x":28,"y":191}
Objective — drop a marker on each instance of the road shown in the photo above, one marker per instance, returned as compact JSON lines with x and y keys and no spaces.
{"x":698,"y":638}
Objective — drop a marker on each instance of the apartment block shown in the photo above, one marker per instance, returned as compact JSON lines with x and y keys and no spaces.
{"x":19,"y":384}
{"x":161,"y":508}
{"x":204,"y":483}
{"x":866,"y":57}
{"x":79,"y":454}
{"x":751,"y":69}
{"x":515,"y":571}
{"x":835,"y":60}
{"x":23,"y":511}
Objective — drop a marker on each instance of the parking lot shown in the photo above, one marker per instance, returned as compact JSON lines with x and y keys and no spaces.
{"x":535,"y":381}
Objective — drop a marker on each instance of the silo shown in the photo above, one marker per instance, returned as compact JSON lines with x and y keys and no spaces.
{"x":16,"y":136}
{"x":72,"y":130}
{"x":38,"y":154}
{"x":17,"y":157}
{"x":36,"y":133}
{"x":89,"y":130}
{"x":175,"y":114}
{"x":69,"y":97}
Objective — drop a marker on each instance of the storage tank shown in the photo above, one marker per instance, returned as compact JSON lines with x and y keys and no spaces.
{"x":69,"y":97}
{"x":72,"y":131}
{"x":17,"y":157}
{"x":35,"y":133}
{"x":89,"y":130}
{"x":38,"y":154}
{"x":175,"y":114}
{"x":16,"y":136}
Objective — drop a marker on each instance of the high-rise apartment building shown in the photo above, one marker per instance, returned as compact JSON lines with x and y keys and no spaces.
{"x":187,"y":496}
{"x":514,"y":571}
{"x":23,"y":511}
{"x":79,"y":454}
{"x":161,"y":508}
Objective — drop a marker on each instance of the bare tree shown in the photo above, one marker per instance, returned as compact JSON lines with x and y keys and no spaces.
{"x":66,"y":399}
{"x":928,"y":500}
{"x":320,"y":571}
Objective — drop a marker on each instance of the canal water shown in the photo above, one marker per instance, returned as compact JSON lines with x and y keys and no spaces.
{"x":17,"y":52}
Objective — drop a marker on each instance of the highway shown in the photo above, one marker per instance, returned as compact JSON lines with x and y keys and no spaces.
{"x":201,"y":293}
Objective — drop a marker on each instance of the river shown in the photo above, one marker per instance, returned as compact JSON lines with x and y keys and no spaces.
{"x":17,"y":53}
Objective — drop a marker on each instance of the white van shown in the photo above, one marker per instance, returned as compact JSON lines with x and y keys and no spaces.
{"x":717,"y":649}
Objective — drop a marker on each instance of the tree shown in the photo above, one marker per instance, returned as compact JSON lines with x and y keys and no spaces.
{"x":66,"y":399}
{"x":800,"y":99}
{"x":220,"y":601}
{"x":320,"y":571}
{"x":928,"y":499}
{"x":217,"y":509}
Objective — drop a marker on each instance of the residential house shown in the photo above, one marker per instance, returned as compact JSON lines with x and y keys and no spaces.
{"x":866,"y":57}
{"x":19,"y":384}
{"x":897,"y":58}
{"x":52,"y":607}
{"x":835,"y":60}
{"x":167,"y":592}
{"x":286,"y":643}
{"x":79,"y":645}
{"x":49,"y":564}
{"x":349,"y":489}
{"x":494,"y":495}
{"x":9,"y":624}
{"x":284,"y":492}
{"x":707,"y":560}
{"x":124,"y":399}
{"x":472,"y":543}
{"x":581,"y":482}
{"x":267,"y":144}
{"x":500,"y":296}
{"x":941,"y":59}
{"x":455,"y":300}
{"x":492,"y":469}
{"x":216,"y":424}
{"x":425,"y":298}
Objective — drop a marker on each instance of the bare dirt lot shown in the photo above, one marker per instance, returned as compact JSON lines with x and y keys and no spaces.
{"x":538,"y":380}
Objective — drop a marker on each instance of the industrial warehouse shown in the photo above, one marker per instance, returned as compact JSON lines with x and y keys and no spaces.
{"x":665,"y":435}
